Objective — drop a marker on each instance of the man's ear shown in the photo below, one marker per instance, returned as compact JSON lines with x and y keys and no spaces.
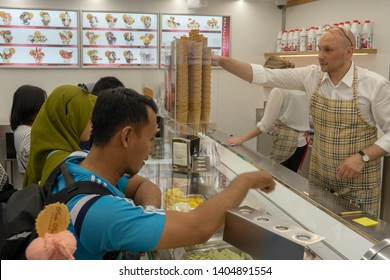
{"x":126,"y":133}
{"x":350,"y":50}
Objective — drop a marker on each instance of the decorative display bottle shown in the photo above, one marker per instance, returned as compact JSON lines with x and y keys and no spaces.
{"x":279,"y":42}
{"x":355,"y":28}
{"x":303,"y":40}
{"x":366,"y":36}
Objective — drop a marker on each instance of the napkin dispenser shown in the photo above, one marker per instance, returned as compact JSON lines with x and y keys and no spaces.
{"x":184,"y":148}
{"x":160,"y":126}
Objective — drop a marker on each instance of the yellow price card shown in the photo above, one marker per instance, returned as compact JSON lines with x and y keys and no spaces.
{"x":366,"y":222}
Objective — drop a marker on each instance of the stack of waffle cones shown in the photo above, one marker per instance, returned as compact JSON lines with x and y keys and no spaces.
{"x":206,"y":86}
{"x":193,"y":79}
{"x":181,"y":101}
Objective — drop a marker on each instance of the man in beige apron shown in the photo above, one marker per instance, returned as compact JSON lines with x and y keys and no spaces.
{"x":347,"y":104}
{"x":341,"y":131}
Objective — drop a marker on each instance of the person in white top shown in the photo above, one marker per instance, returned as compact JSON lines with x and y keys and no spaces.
{"x":26,"y":103}
{"x":6,"y":189}
{"x":3,"y":177}
{"x":287,"y":115}
{"x":348,"y":104}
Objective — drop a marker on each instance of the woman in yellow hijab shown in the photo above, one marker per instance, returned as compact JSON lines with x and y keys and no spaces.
{"x":62,"y":122}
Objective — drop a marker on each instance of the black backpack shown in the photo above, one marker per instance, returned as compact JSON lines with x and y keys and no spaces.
{"x":18,"y":214}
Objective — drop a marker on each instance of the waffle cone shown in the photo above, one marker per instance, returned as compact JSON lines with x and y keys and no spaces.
{"x":53,"y":218}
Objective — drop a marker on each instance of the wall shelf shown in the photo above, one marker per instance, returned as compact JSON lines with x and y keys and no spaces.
{"x":292,"y":3}
{"x":315,"y":53}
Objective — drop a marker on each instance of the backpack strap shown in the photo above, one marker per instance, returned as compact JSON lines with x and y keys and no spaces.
{"x":50,"y":182}
{"x":72,"y":188}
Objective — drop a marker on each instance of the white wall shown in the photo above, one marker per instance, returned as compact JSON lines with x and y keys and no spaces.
{"x":254,"y":26}
{"x":316,"y":13}
{"x":333,"y":11}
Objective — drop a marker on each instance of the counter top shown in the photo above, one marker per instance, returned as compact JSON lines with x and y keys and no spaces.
{"x":294,"y":199}
{"x":325,"y":204}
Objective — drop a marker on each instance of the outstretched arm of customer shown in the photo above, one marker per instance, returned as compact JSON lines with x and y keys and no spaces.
{"x":198,"y":225}
{"x":240,"y":69}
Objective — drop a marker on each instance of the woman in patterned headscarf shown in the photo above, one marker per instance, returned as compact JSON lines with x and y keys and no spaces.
{"x":62,"y":122}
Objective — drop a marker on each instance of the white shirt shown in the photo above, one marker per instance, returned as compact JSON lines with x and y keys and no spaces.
{"x":373,"y":91}
{"x":291,"y":107}
{"x":22,"y":146}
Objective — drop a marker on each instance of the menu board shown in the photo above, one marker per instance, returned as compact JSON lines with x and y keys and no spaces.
{"x":119,"y":39}
{"x":215,"y":28}
{"x":38,"y":37}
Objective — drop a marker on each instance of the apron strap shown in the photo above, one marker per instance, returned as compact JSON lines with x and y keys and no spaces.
{"x":305,"y":153}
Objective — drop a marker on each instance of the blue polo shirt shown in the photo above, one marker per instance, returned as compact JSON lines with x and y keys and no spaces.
{"x":112,"y":222}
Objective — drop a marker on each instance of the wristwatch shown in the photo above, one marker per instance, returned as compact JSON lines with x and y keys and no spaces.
{"x":365,"y":157}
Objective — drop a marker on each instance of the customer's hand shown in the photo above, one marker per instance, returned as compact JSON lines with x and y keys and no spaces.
{"x":258,"y":180}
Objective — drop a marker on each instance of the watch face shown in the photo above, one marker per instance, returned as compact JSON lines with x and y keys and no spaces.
{"x":364,"y":156}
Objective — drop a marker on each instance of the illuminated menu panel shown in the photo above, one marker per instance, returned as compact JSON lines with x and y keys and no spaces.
{"x":38,"y":38}
{"x":215,"y":28}
{"x":119,"y":39}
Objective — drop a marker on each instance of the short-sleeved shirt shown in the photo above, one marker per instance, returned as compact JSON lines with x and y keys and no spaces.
{"x":22,"y":146}
{"x":113,"y":222}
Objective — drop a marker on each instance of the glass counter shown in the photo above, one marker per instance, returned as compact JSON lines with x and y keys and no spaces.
{"x":294,"y":200}
{"x":308,"y":206}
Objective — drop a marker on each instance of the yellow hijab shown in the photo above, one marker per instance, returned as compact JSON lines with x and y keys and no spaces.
{"x":56,"y":130}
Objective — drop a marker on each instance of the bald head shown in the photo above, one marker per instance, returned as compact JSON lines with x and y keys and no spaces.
{"x":344,"y":35}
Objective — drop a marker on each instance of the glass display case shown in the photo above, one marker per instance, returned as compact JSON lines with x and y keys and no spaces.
{"x":294,"y":201}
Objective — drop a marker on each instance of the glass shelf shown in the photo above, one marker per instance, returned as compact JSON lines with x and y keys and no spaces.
{"x":315,"y":53}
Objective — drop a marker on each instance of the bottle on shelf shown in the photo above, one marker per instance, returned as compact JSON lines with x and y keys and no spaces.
{"x":296,"y":40}
{"x":290,"y":40}
{"x":347,"y":24}
{"x":303,"y":40}
{"x":366,"y":36}
{"x":311,"y":39}
{"x":284,"y":41}
{"x":279,"y":42}
{"x":355,"y":28}
{"x":318,"y":36}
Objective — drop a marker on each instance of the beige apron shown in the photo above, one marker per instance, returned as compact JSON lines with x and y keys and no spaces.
{"x":341,"y":131}
{"x":285,"y":141}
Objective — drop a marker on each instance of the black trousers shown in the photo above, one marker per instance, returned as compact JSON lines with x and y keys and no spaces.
{"x":294,"y":161}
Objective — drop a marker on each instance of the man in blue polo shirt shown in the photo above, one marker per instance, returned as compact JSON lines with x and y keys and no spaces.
{"x":124,"y":128}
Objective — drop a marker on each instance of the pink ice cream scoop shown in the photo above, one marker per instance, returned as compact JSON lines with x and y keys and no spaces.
{"x":53,"y":246}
